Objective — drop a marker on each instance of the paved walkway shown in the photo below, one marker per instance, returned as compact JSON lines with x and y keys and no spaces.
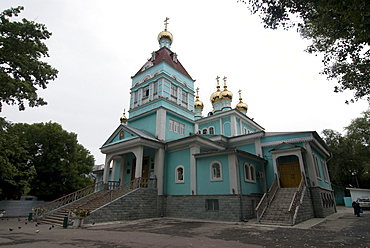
{"x":341,"y":229}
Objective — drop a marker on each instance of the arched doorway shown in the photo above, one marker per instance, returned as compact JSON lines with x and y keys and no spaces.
{"x":290,"y":171}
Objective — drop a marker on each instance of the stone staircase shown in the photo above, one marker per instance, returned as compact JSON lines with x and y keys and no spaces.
{"x":54,"y":212}
{"x":277,"y":211}
{"x":57,"y":217}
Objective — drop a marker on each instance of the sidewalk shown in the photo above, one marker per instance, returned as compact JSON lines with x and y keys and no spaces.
{"x":341,"y":229}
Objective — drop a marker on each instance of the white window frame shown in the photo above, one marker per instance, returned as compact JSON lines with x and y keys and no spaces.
{"x":177,"y":180}
{"x":325,"y":169}
{"x":176,"y":127}
{"x":316,"y":164}
{"x":213,"y":130}
{"x":213,"y":173}
{"x":249,"y":172}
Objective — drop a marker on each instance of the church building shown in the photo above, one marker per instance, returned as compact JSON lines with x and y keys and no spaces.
{"x":218,"y":165}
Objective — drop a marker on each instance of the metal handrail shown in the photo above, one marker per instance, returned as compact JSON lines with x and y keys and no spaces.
{"x":267,"y":198}
{"x":297,"y":200}
{"x":62,"y":201}
{"x":113,"y":194}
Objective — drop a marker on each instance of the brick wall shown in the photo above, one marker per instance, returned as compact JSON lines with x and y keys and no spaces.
{"x":306,"y":210}
{"x":323,"y":202}
{"x":138,"y":204}
{"x":194,"y":207}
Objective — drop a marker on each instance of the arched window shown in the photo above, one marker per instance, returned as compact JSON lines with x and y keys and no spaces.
{"x":252,"y":171}
{"x":216,"y":171}
{"x":205,"y":131}
{"x":211,"y":130}
{"x":179,"y":174}
{"x":249,"y":172}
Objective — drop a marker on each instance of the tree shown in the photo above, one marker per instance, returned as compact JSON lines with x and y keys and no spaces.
{"x":15,"y":172}
{"x":338,"y":29}
{"x":47,"y":158}
{"x":21,"y":70}
{"x":350,"y":164}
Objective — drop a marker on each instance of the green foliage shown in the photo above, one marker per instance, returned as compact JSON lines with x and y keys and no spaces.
{"x":15,"y":171}
{"x":44,"y":158}
{"x":21,"y":70}
{"x":81,"y":212}
{"x":338,"y":29}
{"x":350,"y":165}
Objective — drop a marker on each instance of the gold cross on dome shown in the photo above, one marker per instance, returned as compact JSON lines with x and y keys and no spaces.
{"x":166,"y":23}
{"x":225,"y":79}
{"x":217,"y":78}
{"x":240,"y":93}
{"x":197,"y":91}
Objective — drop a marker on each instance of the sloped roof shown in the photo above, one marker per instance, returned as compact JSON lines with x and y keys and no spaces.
{"x":165,"y":54}
{"x":137,"y":132}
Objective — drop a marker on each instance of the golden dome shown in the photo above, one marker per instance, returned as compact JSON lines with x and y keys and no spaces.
{"x":216,"y":96}
{"x":242,"y":106}
{"x":123,"y":118}
{"x":165,"y":34}
{"x":226,"y":94}
{"x":198,"y":104}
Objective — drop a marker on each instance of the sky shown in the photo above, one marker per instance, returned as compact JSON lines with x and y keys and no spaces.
{"x":98,"y":45}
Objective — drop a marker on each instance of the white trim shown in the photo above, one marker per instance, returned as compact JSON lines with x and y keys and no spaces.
{"x":295,"y":140}
{"x":251,"y":169}
{"x":177,"y":180}
{"x":212,"y":175}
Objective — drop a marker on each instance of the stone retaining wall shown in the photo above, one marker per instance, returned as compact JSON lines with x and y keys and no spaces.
{"x":323,"y":202}
{"x":195,"y":207}
{"x":138,"y":204}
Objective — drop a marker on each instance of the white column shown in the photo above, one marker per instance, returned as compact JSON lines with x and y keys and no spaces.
{"x":311,"y":165}
{"x":122,"y":170}
{"x":114,"y":165}
{"x":159,"y":169}
{"x":106,"y":168}
{"x":139,"y":161}
{"x":233,"y":173}
{"x":233,"y":125}
{"x":193,"y":169}
{"x":161,"y":124}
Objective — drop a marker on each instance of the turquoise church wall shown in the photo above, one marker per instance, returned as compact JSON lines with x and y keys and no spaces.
{"x":249,"y":187}
{"x":170,"y":135}
{"x":269,"y":169}
{"x":321,"y":181}
{"x":251,"y":148}
{"x":204,"y":184}
{"x":215,"y":124}
{"x":127,"y":136}
{"x":173,"y":159}
{"x":147,"y":123}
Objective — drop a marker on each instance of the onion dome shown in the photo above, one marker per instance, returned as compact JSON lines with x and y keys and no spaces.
{"x":123,"y":118}
{"x":165,"y":38}
{"x":198,"y":104}
{"x":241,"y":105}
{"x":165,"y":34}
{"x":216,"y":96}
{"x":225,"y":93}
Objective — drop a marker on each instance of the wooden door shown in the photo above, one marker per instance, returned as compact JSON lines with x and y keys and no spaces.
{"x":145,"y":169}
{"x":290,"y":174}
